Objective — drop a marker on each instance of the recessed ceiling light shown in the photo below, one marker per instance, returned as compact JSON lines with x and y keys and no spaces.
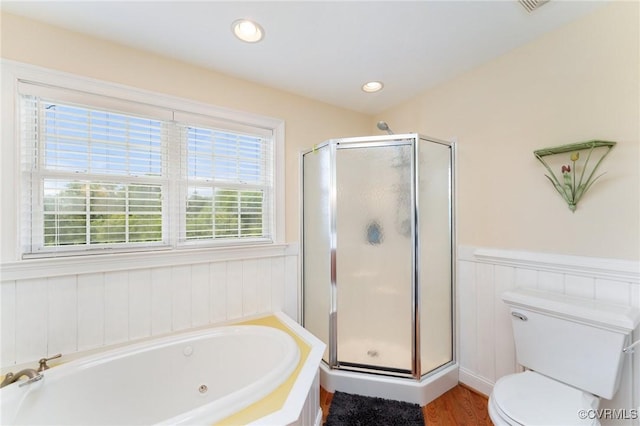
{"x":372,"y":86}
{"x":247,"y":30}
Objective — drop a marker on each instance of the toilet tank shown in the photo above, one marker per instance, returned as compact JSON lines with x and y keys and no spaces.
{"x":573,"y":340}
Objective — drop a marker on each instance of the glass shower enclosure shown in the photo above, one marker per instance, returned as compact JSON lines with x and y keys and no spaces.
{"x":377,"y":253}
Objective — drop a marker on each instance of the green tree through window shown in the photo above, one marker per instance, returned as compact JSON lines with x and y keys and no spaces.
{"x":101,"y":213}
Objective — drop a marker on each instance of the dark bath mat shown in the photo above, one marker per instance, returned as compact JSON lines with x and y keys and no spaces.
{"x":356,"y":410}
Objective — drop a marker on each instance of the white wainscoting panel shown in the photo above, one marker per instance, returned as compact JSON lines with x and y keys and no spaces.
{"x":311,"y":414}
{"x":486,"y":348}
{"x":73,"y":312}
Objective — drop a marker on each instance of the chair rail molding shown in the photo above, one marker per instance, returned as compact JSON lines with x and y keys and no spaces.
{"x":604,"y":268}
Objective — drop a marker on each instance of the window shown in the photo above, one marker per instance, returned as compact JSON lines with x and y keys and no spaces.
{"x":110,"y":174}
{"x":99,"y":176}
{"x":228,"y":184}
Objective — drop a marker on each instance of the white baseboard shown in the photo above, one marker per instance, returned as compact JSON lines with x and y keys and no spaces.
{"x":476,"y":382}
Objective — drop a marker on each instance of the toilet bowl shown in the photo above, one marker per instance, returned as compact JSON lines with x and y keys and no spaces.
{"x":572,"y":350}
{"x":529,"y":398}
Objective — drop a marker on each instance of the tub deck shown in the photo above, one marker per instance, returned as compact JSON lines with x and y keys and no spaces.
{"x":277,"y":399}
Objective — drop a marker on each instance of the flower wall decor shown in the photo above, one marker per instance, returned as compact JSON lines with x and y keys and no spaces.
{"x":576,"y":178}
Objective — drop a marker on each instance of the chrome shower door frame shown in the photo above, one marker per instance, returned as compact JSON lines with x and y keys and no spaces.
{"x":412,"y":139}
{"x":363,"y":143}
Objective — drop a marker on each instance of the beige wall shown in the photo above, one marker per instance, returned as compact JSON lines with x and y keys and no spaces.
{"x":578,"y":83}
{"x":307,"y":122}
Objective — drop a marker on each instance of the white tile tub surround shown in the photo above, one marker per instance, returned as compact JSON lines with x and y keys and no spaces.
{"x":486,"y":348}
{"x":48,"y":306}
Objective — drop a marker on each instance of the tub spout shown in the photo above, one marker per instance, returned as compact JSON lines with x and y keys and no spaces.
{"x":33,"y":376}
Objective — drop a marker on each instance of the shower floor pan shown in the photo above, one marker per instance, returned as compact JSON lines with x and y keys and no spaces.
{"x":372,"y":352}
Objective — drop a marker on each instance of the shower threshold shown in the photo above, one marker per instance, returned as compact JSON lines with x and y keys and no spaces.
{"x":397,"y":388}
{"x":374,"y":369}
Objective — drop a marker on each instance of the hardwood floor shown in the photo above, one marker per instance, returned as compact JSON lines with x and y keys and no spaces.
{"x":459,"y":406}
{"x":325,"y":403}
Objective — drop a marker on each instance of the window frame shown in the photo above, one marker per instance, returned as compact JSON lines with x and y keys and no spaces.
{"x":14,"y":74}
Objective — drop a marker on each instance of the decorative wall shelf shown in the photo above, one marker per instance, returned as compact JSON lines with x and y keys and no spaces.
{"x":570,"y":186}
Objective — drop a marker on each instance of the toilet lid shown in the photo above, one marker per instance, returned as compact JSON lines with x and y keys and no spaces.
{"x":532,"y":399}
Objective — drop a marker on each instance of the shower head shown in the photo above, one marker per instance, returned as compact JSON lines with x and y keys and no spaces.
{"x":382,"y":125}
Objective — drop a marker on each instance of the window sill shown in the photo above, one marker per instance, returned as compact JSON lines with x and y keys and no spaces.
{"x":71,"y":265}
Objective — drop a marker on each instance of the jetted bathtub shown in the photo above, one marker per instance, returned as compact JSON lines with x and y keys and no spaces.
{"x":192,"y":378}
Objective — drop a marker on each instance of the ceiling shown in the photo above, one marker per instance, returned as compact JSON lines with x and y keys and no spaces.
{"x":320,"y":49}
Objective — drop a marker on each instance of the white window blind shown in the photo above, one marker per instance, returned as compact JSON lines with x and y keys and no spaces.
{"x":81,"y":140}
{"x":229,"y":185}
{"x":97,"y":177}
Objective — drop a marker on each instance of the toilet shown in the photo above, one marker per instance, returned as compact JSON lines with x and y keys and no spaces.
{"x":572,"y":352}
